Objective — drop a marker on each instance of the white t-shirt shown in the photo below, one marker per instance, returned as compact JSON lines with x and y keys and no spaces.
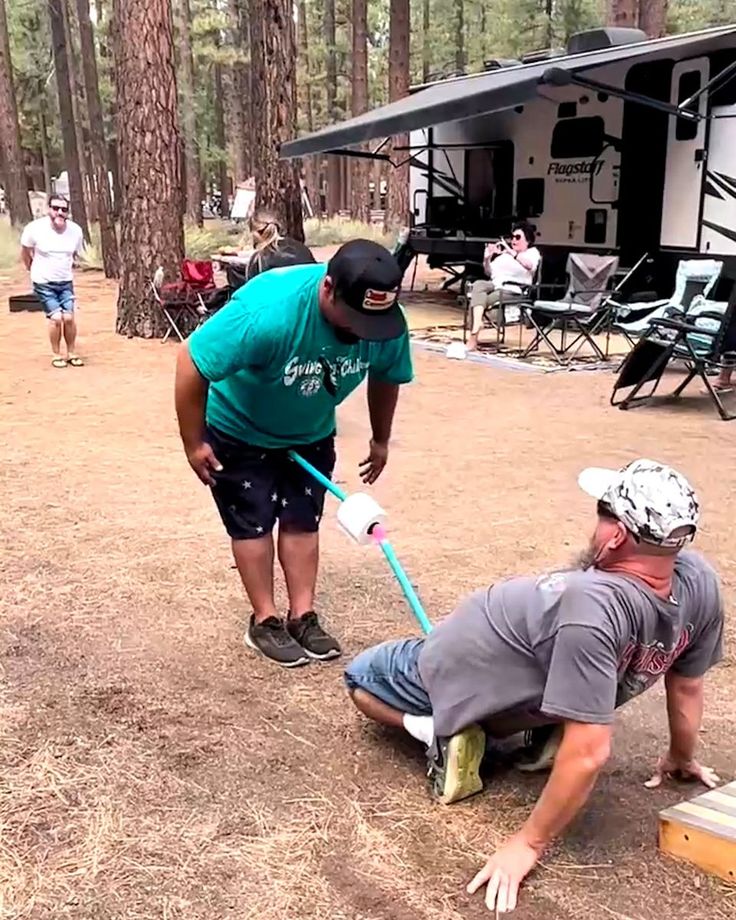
{"x":506,"y":269}
{"x":53,"y":252}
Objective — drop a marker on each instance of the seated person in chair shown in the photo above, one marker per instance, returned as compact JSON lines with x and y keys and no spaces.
{"x":509,"y":268}
{"x":557,"y":653}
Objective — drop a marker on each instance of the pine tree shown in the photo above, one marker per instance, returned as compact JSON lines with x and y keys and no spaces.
{"x":108,"y":237}
{"x":152,"y":232}
{"x":397,"y":205}
{"x":11,"y":156}
{"x":188,"y":117}
{"x":360,"y":205}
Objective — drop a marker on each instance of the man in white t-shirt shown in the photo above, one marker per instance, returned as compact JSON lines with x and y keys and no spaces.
{"x":510,"y":268}
{"x":49,"y":246}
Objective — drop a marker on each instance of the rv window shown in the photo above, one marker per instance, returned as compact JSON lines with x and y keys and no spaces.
{"x":577,"y":137}
{"x":529,"y":198}
{"x":685,"y":129}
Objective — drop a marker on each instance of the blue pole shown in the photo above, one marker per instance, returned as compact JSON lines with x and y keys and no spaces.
{"x":386,"y":547}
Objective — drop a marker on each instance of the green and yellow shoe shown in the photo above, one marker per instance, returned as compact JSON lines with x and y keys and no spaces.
{"x":454,"y":764}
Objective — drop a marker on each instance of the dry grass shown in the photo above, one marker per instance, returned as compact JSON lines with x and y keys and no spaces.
{"x":150,"y":768}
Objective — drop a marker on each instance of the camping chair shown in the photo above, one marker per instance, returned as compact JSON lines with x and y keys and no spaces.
{"x":180,"y":306}
{"x":699,"y":341}
{"x":584,"y":309}
{"x":695,"y":277}
{"x":513,"y":295}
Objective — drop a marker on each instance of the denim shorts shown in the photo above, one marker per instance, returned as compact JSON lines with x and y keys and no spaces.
{"x":57,"y":297}
{"x":390,"y":672}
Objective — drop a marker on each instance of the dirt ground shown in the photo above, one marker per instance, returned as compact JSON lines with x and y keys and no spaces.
{"x":151,"y":767}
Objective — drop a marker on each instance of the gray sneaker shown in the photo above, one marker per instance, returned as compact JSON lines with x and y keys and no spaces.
{"x":540,"y":749}
{"x":272,"y":640}
{"x":312,"y":638}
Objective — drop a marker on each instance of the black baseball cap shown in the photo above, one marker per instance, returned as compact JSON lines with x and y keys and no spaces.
{"x":367,"y":279}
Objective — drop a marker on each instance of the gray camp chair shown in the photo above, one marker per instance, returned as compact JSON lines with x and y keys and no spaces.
{"x":701,"y":340}
{"x":695,"y":278}
{"x":582,"y":312}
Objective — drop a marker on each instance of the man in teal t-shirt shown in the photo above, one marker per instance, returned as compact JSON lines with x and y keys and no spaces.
{"x":264,"y":375}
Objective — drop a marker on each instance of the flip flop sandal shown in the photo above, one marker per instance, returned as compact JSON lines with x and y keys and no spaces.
{"x":76,"y":362}
{"x":59,"y":362}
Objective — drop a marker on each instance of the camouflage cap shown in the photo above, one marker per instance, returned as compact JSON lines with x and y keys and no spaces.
{"x":651,"y":499}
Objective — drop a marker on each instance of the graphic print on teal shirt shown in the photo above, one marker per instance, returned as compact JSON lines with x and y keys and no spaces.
{"x":272,"y":359}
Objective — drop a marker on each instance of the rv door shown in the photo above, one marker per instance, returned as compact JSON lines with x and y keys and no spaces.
{"x":685,"y":164}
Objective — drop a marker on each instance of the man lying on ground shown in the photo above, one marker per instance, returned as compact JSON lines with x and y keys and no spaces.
{"x":562,"y":651}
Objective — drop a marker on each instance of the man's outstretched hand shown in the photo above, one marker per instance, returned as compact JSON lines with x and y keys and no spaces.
{"x":372,"y":467}
{"x":504,"y":872}
{"x":669,"y":766}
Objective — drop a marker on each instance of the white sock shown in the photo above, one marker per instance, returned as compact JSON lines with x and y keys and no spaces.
{"x":420,"y":727}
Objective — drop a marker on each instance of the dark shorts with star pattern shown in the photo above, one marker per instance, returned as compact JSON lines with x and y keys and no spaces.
{"x":259,"y":486}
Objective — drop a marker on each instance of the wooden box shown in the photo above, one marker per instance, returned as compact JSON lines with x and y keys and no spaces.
{"x":703,"y":831}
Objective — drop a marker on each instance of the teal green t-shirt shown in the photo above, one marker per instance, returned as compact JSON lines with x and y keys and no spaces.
{"x":268,"y":353}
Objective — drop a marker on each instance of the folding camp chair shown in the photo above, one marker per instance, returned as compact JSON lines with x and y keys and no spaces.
{"x":583,"y":310}
{"x":699,"y":341}
{"x":695,"y":278}
{"x":512,"y":294}
{"x":182,"y":308}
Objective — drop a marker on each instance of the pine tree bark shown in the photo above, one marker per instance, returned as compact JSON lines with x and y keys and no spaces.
{"x":653,"y":17}
{"x":273,"y":56}
{"x":152,"y":232}
{"x":221,"y":141}
{"x":79,"y":108}
{"x":11,"y":154}
{"x":460,"y":36}
{"x":311,"y":164}
{"x":66,"y":113}
{"x":426,"y":47}
{"x":360,"y":204}
{"x":188,"y":117}
{"x":240,"y":102}
{"x":103,"y":195}
{"x":43,"y":130}
{"x":623,"y":13}
{"x":397,"y":204}
{"x":332,"y":203}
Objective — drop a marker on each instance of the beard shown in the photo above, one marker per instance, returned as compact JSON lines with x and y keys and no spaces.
{"x":586,"y":558}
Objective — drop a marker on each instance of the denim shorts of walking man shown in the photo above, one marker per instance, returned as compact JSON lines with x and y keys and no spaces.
{"x":264,"y":376}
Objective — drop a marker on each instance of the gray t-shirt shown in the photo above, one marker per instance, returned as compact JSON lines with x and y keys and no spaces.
{"x":570,"y":645}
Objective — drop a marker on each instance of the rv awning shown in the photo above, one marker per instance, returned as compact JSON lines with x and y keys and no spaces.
{"x":482,"y":94}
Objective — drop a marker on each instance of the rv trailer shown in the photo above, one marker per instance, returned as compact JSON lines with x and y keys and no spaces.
{"x":618,"y":144}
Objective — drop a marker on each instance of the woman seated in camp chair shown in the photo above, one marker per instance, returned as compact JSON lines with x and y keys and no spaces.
{"x":510,"y":268}
{"x":267,"y":248}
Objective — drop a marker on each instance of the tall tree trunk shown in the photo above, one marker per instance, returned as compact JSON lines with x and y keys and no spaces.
{"x":221,"y":141}
{"x":241,"y":103}
{"x":43,"y":130}
{"x":66,"y":113}
{"x":426,"y":46}
{"x":623,"y":13}
{"x":103,"y":196}
{"x":235,"y":97}
{"x":333,"y":166}
{"x":653,"y":17}
{"x":152,"y":233}
{"x":273,"y":56}
{"x":79,"y":108}
{"x":361,"y":209}
{"x":188,"y":117}
{"x":311,"y":164}
{"x":11,"y":154}
{"x":460,"y":36}
{"x":397,"y":205}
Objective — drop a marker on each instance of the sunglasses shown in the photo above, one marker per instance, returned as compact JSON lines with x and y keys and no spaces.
{"x":58,"y":210}
{"x":517,"y":236}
